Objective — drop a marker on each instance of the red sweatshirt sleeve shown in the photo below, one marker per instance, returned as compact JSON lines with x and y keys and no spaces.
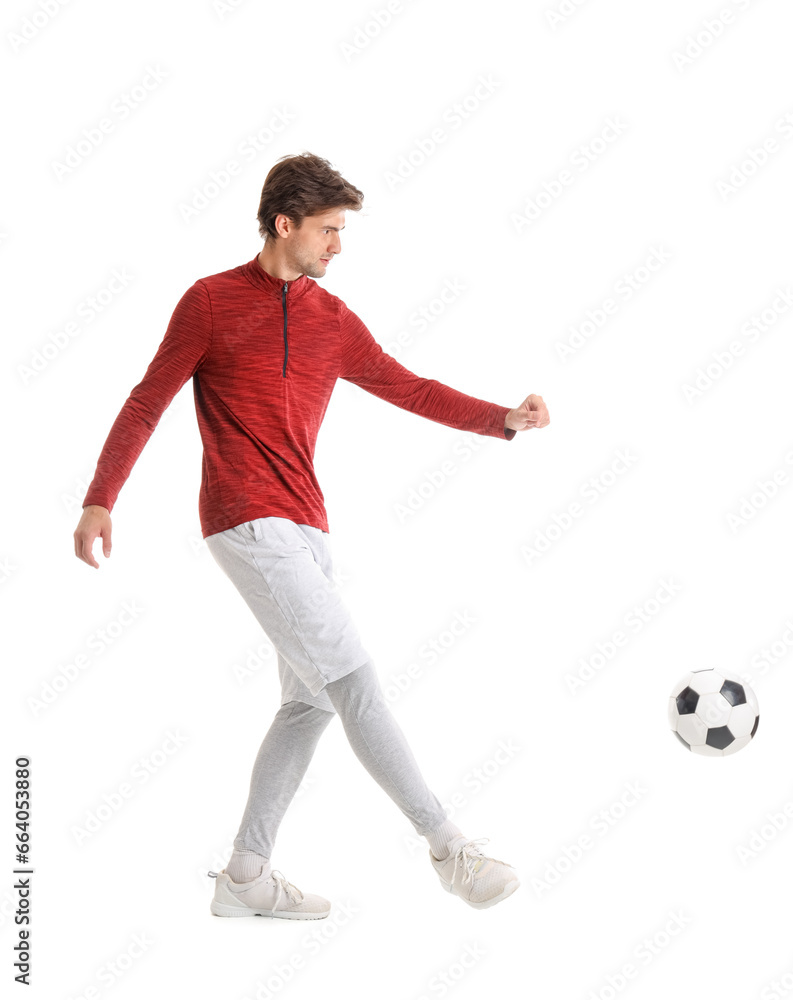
{"x":184,"y":347}
{"x":367,"y":365}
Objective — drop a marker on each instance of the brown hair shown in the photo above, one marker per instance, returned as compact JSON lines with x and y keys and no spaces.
{"x":303,"y":185}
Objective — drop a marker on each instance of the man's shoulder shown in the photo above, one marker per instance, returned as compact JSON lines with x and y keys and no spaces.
{"x":323,"y":301}
{"x":231,"y":276}
{"x":324,"y":297}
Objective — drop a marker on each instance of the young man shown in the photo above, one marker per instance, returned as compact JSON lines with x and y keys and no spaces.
{"x":264,"y":345}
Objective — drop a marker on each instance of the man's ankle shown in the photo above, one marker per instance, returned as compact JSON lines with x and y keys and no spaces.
{"x":245,"y":866}
{"x":440,"y":838}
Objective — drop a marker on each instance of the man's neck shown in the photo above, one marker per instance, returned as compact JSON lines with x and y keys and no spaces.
{"x":275,"y":266}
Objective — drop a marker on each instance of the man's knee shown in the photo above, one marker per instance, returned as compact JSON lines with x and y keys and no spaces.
{"x":301,"y":713}
{"x":359,"y":689}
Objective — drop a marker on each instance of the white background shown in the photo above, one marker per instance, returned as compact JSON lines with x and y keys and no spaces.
{"x":573,"y":929}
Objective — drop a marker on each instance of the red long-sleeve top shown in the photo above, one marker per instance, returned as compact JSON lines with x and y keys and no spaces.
{"x":264,"y":355}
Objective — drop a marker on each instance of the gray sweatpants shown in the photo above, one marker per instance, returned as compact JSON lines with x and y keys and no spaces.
{"x":283,"y":570}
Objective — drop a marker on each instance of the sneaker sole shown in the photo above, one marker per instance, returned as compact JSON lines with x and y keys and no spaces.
{"x":224,"y":910}
{"x":508,"y":889}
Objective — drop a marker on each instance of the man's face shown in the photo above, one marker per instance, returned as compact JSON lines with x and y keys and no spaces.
{"x":310,"y":248}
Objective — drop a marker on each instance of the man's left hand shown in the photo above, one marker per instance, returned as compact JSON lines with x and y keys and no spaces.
{"x":532,"y":412}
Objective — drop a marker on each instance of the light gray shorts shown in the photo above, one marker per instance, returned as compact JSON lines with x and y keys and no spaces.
{"x":284,"y":572}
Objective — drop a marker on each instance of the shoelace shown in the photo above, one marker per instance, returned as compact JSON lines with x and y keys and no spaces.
{"x":284,"y":886}
{"x":471,"y":859}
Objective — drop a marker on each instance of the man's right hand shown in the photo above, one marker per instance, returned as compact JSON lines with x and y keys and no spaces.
{"x":94,"y":523}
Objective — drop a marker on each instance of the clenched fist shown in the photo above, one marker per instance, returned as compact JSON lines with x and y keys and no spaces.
{"x":532,"y":412}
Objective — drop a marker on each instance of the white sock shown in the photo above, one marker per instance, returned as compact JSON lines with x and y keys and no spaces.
{"x":245,"y":866}
{"x":440,"y":838}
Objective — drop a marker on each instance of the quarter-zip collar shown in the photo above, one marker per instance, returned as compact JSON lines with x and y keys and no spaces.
{"x":257,"y":276}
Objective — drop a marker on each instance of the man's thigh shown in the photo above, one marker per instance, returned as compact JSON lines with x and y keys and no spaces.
{"x":283,"y":572}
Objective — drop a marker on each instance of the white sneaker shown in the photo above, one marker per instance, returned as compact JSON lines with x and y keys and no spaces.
{"x":479,"y":880}
{"x":270,"y":896}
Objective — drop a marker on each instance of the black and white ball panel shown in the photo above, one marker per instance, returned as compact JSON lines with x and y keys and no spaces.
{"x":713,"y":712}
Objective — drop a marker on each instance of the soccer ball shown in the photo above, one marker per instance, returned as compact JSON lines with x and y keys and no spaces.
{"x":713,"y":712}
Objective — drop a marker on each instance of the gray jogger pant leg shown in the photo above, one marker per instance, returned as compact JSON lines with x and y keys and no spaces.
{"x":283,"y":570}
{"x":380,"y":745}
{"x":376,"y":740}
{"x":280,"y":766}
